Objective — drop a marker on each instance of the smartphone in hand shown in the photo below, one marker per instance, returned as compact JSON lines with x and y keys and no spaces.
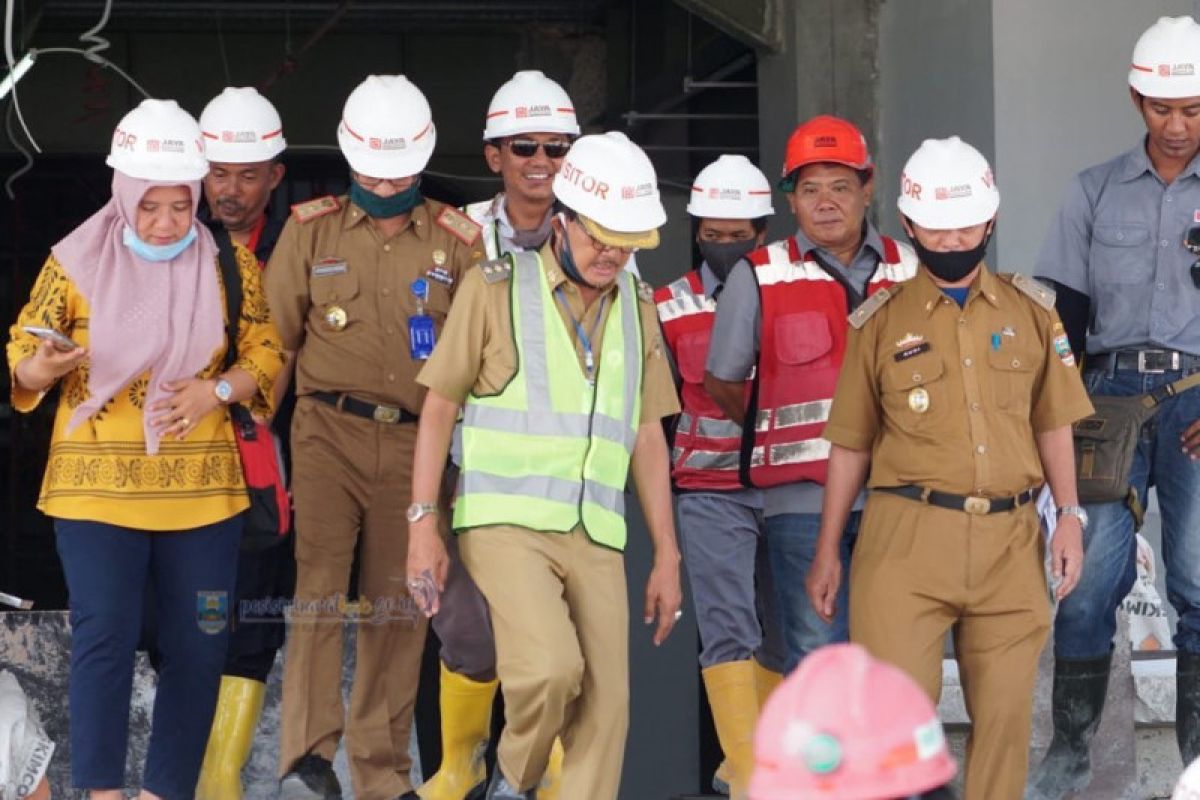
{"x":60,"y":340}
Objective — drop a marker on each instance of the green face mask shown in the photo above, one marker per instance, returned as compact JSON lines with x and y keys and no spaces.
{"x":386,"y":207}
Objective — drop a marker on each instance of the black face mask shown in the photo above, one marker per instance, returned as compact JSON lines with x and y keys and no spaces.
{"x":954,"y":265}
{"x":721,"y":256}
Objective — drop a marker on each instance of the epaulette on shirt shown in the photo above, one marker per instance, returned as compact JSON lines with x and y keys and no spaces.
{"x":872,"y":304}
{"x":496,"y":270}
{"x":460,"y":226}
{"x":317,"y":207}
{"x":645,"y":292}
{"x":1042,"y":294}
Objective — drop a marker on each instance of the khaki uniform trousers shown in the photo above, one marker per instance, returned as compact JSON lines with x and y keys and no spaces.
{"x":918,"y":571}
{"x":561,"y":617}
{"x":352,"y":480}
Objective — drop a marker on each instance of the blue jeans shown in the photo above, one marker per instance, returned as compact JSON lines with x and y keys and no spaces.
{"x":1086,"y":621}
{"x":792,"y":544}
{"x":107,"y":569}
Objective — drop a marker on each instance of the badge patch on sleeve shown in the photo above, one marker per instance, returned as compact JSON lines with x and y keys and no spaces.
{"x":1063,"y":349}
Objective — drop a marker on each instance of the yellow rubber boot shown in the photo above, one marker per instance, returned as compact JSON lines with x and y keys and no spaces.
{"x":466,"y":722}
{"x":733,"y":697}
{"x":551,"y":784}
{"x":765,"y":681}
{"x":238,"y":707}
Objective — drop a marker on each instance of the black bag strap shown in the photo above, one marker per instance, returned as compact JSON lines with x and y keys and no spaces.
{"x":231,"y":276}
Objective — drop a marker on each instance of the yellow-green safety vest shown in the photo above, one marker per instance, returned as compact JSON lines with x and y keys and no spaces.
{"x":552,"y":449}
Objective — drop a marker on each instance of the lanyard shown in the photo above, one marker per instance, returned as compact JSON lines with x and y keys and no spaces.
{"x":589,"y":360}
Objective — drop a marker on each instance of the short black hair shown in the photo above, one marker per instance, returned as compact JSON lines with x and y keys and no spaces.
{"x":788,"y":182}
{"x":759,"y":223}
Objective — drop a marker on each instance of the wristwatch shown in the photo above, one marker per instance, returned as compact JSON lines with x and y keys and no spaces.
{"x":1074,"y":511}
{"x":223,"y":390}
{"x":418,"y":511}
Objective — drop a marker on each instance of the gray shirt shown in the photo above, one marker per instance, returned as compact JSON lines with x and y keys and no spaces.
{"x":1118,"y":238}
{"x":735,"y":341}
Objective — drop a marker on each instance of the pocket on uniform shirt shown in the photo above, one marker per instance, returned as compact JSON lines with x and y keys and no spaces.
{"x":335,"y":290}
{"x":911,"y":385}
{"x":1119,"y":253}
{"x":1012,"y":377}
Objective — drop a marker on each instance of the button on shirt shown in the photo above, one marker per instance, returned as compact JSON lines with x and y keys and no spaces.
{"x":1118,"y":238}
{"x":950,"y":398}
{"x":735,"y":342}
{"x":370,"y":280}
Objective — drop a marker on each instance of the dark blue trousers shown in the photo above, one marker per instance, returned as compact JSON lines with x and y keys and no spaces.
{"x":192,"y":573}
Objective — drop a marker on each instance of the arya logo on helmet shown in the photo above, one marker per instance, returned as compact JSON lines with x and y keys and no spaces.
{"x":634,"y":192}
{"x":588,"y":183}
{"x":238,"y":137}
{"x":825,"y":141}
{"x":165,"y":146}
{"x":524,"y":112}
{"x":952,"y":192}
{"x":389,"y":143}
{"x":1176,"y":70}
{"x":733,"y":195}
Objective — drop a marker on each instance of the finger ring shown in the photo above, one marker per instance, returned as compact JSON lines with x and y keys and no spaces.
{"x":679,"y":615}
{"x":186,"y":422}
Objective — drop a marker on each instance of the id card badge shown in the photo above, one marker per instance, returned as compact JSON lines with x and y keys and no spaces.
{"x":421,"y":336}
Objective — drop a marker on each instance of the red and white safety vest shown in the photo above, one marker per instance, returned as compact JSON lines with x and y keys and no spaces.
{"x":801,"y":346}
{"x":707,"y":443}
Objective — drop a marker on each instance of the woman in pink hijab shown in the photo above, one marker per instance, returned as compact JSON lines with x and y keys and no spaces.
{"x":144,"y":480}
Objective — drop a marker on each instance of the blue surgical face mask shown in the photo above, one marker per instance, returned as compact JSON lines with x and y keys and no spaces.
{"x":156,"y":252}
{"x":386,"y":207}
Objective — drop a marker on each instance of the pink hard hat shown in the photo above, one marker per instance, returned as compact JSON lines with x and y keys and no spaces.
{"x":844,"y":726}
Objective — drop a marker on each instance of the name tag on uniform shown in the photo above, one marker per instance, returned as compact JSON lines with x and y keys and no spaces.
{"x":915,"y":350}
{"x":329,"y":266}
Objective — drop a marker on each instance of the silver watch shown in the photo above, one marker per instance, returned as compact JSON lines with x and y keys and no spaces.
{"x":1075,"y":511}
{"x":223,"y":390}
{"x":418,"y":511}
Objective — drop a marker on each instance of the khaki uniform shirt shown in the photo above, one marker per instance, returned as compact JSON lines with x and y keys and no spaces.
{"x":950,"y":398}
{"x":477,"y":354}
{"x":338,"y":263}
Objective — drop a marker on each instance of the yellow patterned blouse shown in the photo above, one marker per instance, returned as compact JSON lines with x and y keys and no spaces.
{"x":101,"y":472}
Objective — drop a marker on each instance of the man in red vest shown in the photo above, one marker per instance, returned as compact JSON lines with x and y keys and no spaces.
{"x":720,"y":520}
{"x":781,"y":324}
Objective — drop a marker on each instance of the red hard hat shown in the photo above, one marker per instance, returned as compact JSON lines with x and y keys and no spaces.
{"x":826,"y":139}
{"x":844,"y":726}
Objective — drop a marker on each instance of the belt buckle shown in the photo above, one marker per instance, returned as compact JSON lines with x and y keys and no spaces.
{"x":977,"y":505}
{"x":387,"y":414}
{"x":1161,"y":365}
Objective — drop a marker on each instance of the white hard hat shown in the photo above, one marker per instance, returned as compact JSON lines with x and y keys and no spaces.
{"x":610,"y":183}
{"x":158,"y":141}
{"x":241,"y":126}
{"x":731,"y":188}
{"x":1188,"y":787}
{"x":529,"y":102}
{"x":1166,"y":59}
{"x":947,"y":184}
{"x":387,"y":128}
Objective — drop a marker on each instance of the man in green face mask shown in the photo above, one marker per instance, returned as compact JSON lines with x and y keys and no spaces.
{"x":363,"y":284}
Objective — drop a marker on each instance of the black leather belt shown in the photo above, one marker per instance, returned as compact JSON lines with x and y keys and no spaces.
{"x":957,"y":502}
{"x":1146,"y":361}
{"x":361,"y":408}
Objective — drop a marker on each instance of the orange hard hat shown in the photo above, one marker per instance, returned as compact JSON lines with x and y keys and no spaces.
{"x":825,"y":139}
{"x":844,"y":726}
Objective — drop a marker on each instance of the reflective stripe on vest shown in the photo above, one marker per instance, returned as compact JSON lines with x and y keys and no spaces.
{"x":803,"y":340}
{"x":707,"y":443}
{"x":551,"y":451}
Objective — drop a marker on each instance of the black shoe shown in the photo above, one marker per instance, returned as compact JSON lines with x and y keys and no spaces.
{"x":1076,"y":702}
{"x":1187,"y":705}
{"x":501,"y":789}
{"x":310,"y":778}
{"x":409,"y":796}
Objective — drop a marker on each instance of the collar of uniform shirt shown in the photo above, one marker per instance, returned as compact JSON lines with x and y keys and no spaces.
{"x":555,"y":275}
{"x":418,"y":218}
{"x":1137,"y":163}
{"x":932,"y":294}
{"x":871,"y":240}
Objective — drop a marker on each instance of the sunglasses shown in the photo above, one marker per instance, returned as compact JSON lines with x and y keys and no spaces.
{"x":527,"y":148}
{"x":1191,"y":241}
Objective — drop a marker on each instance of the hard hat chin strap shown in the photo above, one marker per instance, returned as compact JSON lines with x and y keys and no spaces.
{"x":566,"y":259}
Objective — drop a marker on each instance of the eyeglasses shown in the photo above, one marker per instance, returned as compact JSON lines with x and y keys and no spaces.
{"x":527,"y":148}
{"x":367,"y":182}
{"x":600,"y":246}
{"x":1191,"y":241}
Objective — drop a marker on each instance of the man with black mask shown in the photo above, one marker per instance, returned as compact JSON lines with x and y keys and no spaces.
{"x":781,"y":324}
{"x":957,"y":394}
{"x":720,"y":520}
